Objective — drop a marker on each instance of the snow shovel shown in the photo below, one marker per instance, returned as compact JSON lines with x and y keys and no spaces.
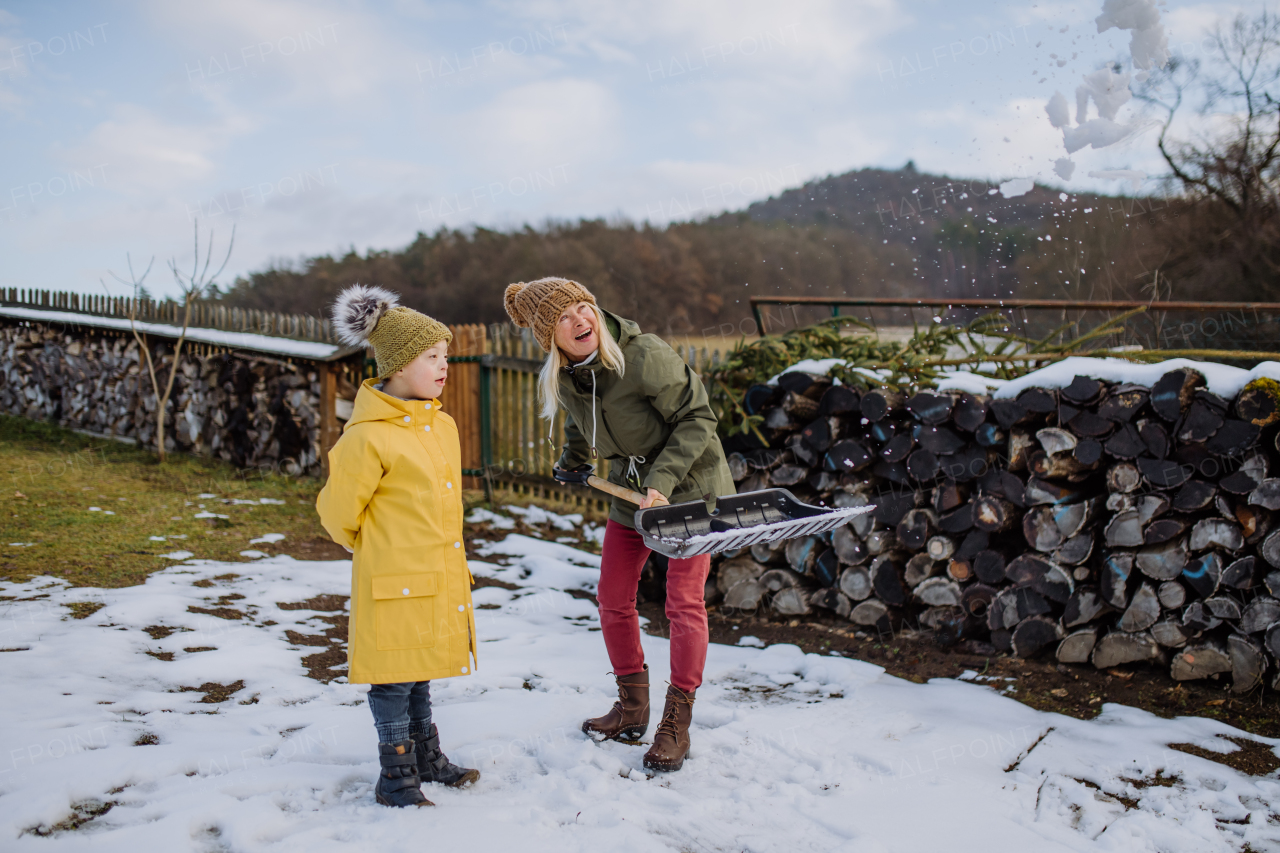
{"x":738,"y":521}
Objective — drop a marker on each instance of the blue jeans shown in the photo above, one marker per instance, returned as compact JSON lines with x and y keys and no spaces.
{"x":399,"y":709}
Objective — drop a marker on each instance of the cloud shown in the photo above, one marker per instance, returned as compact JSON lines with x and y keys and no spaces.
{"x":537,"y":125}
{"x":320,"y":50}
{"x":143,"y":153}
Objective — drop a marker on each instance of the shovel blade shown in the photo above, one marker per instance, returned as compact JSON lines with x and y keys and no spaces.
{"x":739,"y":521}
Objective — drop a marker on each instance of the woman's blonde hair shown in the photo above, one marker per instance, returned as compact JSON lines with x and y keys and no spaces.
{"x":609,"y":353}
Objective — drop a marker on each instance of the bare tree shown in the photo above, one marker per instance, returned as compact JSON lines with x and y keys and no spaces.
{"x":1226,"y":160}
{"x":192,"y":285}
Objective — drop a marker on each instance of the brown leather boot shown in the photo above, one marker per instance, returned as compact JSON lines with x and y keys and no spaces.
{"x":671,"y":740}
{"x":628,"y":719}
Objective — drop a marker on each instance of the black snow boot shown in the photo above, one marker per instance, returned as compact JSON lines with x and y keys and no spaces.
{"x":434,"y":767}
{"x":398,"y":780}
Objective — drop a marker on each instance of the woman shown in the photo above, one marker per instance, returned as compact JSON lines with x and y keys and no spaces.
{"x":631,"y":399}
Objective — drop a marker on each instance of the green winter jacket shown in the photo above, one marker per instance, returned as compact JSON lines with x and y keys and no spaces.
{"x":656,"y":416}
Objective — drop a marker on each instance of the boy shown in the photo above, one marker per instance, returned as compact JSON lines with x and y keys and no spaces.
{"x":394,"y":499}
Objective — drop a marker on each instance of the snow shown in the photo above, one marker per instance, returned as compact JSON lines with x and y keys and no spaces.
{"x":1221,"y":379}
{"x":751,"y":642}
{"x":1017,"y":187}
{"x":234,"y":340}
{"x":1100,"y":133}
{"x":969,"y":383}
{"x":209,"y":515}
{"x":178,"y":555}
{"x":267,"y":539}
{"x":1059,"y":112}
{"x":819,"y":366}
{"x":536,"y":515}
{"x":1109,"y":87}
{"x":791,"y":751}
{"x":1148,"y":44}
{"x":479,"y":515}
{"x":253,"y":554}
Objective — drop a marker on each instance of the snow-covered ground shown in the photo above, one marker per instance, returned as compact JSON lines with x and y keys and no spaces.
{"x":791,"y":752}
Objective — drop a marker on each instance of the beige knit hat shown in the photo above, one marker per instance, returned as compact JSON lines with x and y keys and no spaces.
{"x":540,"y":303}
{"x":372,"y":317}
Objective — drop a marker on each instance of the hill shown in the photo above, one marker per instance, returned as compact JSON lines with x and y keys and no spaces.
{"x":870,"y":232}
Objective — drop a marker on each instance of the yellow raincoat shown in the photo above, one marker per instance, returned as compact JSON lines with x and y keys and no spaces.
{"x":394,"y":495}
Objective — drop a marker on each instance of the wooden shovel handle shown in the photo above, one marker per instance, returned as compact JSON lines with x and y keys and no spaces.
{"x":615,"y":490}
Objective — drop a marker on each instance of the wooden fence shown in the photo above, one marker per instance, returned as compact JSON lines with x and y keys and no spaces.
{"x":492,"y":391}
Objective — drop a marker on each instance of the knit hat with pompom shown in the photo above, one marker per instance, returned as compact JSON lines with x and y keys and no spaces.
{"x":539,"y":304}
{"x":372,"y":317}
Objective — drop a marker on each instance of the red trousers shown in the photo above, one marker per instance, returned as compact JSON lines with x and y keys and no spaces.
{"x":624,"y":557}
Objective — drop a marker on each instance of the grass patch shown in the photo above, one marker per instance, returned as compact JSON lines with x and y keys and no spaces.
{"x":55,"y":475}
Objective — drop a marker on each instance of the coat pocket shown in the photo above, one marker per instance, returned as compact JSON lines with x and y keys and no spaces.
{"x":404,"y":611}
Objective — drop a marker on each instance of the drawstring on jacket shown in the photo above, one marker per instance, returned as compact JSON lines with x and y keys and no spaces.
{"x":633,"y":474}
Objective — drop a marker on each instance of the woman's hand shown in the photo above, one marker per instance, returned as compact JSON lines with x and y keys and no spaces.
{"x":653,"y":498}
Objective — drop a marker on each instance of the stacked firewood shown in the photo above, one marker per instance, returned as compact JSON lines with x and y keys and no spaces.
{"x":1104,"y":523}
{"x":252,"y":412}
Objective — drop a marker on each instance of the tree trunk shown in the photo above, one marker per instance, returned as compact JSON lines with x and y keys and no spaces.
{"x":732,"y":572}
{"x":1077,"y":646}
{"x":1259,"y":402}
{"x":1248,"y":663}
{"x":745,"y":596}
{"x":849,"y":548}
{"x":1142,"y":612}
{"x":871,"y":613}
{"x":856,"y":583}
{"x":976,"y":599}
{"x":792,"y":601}
{"x":939,"y":592}
{"x":1164,"y":561}
{"x":1034,"y":634}
{"x":994,"y":514}
{"x":1083,"y":607}
{"x":1259,"y":615}
{"x":879,"y":402}
{"x":1120,"y":647}
{"x":1173,"y":393}
{"x":916,"y":527}
{"x":1200,"y":661}
{"x":1170,"y":633}
{"x":930,"y":407}
{"x":833,"y":600}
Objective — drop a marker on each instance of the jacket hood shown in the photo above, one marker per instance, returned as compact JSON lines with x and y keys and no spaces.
{"x":622,"y":329}
{"x":374,"y":405}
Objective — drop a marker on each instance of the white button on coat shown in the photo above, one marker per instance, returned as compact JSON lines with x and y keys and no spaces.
{"x":407,"y":418}
{"x":464,"y":670}
{"x":457,"y":544}
{"x":405,"y":590}
{"x":427,"y":428}
{"x":448,"y":485}
{"x":462,"y":608}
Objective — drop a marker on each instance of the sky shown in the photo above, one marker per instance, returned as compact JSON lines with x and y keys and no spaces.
{"x":319,"y":127}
